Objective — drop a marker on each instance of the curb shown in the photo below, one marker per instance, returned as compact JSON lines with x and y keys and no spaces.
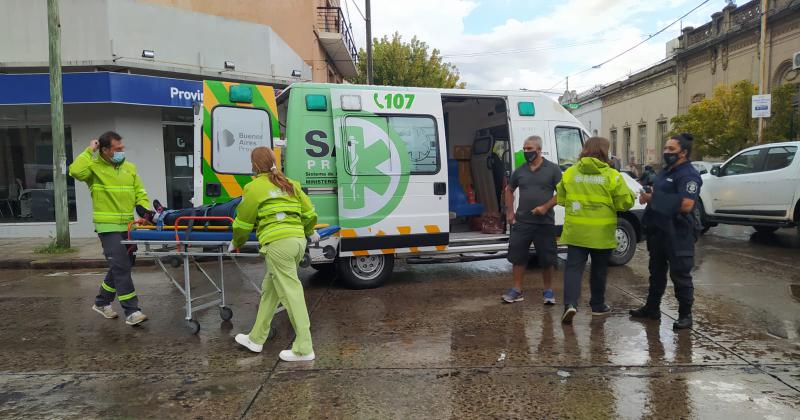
{"x":61,"y":264}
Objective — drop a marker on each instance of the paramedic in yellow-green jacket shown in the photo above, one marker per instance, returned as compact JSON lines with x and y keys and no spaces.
{"x":116,"y":190}
{"x":592,"y":193}
{"x":283,"y":218}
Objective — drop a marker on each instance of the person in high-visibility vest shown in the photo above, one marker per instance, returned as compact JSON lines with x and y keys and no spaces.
{"x":116,"y":190}
{"x":283,"y":217}
{"x":592,"y":193}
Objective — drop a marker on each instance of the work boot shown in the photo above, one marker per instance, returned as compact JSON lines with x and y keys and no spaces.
{"x":106,"y":311}
{"x":135,"y":318}
{"x":645,"y":312}
{"x":683,"y":322}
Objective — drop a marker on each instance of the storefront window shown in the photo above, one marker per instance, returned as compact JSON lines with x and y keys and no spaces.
{"x":26,"y":175}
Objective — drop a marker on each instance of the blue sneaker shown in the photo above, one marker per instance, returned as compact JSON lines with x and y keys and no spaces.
{"x":513,"y":295}
{"x":549,"y":297}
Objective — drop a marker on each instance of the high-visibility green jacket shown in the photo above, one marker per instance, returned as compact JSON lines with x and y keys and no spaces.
{"x":274,"y":213}
{"x":116,"y":189}
{"x":592,"y":193}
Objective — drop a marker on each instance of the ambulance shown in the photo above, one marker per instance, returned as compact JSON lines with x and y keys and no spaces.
{"x":407,"y":173}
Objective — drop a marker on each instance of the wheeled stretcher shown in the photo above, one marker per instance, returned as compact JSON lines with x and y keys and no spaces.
{"x":199,"y":238}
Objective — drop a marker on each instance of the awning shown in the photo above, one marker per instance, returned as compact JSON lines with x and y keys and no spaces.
{"x":101,"y":87}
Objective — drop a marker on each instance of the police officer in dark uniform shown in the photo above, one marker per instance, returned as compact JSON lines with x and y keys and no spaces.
{"x":672,"y":230}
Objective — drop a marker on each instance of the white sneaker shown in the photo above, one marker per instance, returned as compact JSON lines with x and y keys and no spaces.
{"x":244,"y":340}
{"x":106,"y":311}
{"x":289,"y":356}
{"x":136,"y":318}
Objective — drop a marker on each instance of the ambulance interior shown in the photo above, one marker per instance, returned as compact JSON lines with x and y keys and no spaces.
{"x":479,"y":163}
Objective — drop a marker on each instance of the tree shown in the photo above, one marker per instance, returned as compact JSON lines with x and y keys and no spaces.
{"x":785,"y":119}
{"x":397,"y":63}
{"x":722,"y":125}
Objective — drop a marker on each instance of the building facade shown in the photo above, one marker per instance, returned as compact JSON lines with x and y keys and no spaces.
{"x":636,"y":113}
{"x":725,"y":50}
{"x":136,"y":67}
{"x":590,"y":111}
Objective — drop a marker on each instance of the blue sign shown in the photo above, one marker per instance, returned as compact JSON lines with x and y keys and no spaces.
{"x":101,"y":87}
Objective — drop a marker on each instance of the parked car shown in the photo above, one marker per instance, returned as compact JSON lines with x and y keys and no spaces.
{"x":759,"y":187}
{"x":703,"y":167}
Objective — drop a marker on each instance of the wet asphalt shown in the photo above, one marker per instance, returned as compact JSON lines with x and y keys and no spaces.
{"x":435,"y":342}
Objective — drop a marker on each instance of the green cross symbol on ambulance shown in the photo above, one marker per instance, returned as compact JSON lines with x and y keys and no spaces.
{"x":376,"y":176}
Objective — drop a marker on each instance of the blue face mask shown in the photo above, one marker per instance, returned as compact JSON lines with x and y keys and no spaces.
{"x":118,"y":157}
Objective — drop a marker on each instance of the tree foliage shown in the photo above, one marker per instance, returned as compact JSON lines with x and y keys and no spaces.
{"x":398,"y":63}
{"x":722,"y":125}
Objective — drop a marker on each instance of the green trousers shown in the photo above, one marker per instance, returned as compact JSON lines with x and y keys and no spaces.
{"x":281,"y":284}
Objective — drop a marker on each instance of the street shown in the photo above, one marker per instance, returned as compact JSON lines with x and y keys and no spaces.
{"x":435,"y":342}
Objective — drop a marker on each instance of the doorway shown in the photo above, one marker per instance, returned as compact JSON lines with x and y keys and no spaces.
{"x":179,"y":164}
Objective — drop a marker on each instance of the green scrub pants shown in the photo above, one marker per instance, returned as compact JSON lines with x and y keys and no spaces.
{"x":281,"y":284}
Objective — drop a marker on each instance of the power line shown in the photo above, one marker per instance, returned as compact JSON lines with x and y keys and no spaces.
{"x":359,"y":10}
{"x":597,"y":66}
{"x":523,"y":50}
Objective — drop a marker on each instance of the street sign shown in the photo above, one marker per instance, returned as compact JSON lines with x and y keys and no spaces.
{"x":761,"y":106}
{"x":572,"y":106}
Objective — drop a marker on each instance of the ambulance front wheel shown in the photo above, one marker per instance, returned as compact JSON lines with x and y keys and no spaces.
{"x":365,"y":272}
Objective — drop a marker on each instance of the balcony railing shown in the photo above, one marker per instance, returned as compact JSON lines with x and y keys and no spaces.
{"x":331,"y":19}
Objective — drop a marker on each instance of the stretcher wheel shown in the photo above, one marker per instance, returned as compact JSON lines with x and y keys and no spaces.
{"x":272,"y":333}
{"x":225,"y":313}
{"x":175,"y":262}
{"x":194,"y":326}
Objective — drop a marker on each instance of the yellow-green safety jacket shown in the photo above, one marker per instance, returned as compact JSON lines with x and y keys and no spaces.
{"x":115,"y":189}
{"x":592,"y":193}
{"x":273,"y":213}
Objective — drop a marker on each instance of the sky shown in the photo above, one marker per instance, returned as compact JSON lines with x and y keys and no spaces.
{"x":535,"y":44}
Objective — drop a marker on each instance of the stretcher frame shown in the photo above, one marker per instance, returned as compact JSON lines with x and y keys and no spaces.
{"x":187,"y":252}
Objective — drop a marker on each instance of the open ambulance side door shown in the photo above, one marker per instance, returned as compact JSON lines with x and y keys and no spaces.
{"x":391,"y":160}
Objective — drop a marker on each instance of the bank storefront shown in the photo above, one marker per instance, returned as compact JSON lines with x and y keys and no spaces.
{"x":152,"y":114}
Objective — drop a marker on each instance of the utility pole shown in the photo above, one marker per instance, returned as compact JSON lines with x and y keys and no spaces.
{"x":57,"y":126}
{"x":762,"y":56}
{"x":369,"y":42}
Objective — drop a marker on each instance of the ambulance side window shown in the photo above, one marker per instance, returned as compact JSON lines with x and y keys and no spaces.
{"x":568,"y":146}
{"x":367,"y":156}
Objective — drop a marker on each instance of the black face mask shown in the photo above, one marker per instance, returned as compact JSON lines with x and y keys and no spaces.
{"x":531,"y":156}
{"x":670,"y":158}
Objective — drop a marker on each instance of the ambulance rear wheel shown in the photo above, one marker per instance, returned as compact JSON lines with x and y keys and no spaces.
{"x":626,"y":243}
{"x":365,"y":272}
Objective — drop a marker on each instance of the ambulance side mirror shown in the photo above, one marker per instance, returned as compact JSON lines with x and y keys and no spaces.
{"x":715,"y":170}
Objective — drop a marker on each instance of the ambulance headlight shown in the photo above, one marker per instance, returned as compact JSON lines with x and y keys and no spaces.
{"x":351,"y":103}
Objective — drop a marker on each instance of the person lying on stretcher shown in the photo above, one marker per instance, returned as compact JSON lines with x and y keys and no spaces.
{"x":161,"y":216}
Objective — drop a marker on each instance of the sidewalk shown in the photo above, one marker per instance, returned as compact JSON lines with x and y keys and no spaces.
{"x":18,"y":253}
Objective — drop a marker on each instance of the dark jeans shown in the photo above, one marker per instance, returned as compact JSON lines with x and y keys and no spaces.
{"x":573,"y":273}
{"x":662,"y":259}
{"x":228,"y":209}
{"x":118,"y":282}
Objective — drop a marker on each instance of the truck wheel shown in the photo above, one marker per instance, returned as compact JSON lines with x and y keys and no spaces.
{"x":765,"y":229}
{"x":700,"y":214}
{"x":626,"y":243}
{"x":365,"y":272}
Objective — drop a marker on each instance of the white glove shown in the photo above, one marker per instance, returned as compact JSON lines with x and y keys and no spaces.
{"x":314,"y":238}
{"x":231,"y":248}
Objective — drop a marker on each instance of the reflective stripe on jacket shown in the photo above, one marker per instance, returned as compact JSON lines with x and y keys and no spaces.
{"x":115,"y":189}
{"x":273,"y":213}
{"x":592,"y":193}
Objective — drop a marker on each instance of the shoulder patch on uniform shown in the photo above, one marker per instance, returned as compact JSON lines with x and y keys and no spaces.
{"x":691,"y":187}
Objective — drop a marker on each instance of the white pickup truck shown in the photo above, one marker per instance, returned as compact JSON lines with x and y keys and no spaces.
{"x":759,"y":187}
